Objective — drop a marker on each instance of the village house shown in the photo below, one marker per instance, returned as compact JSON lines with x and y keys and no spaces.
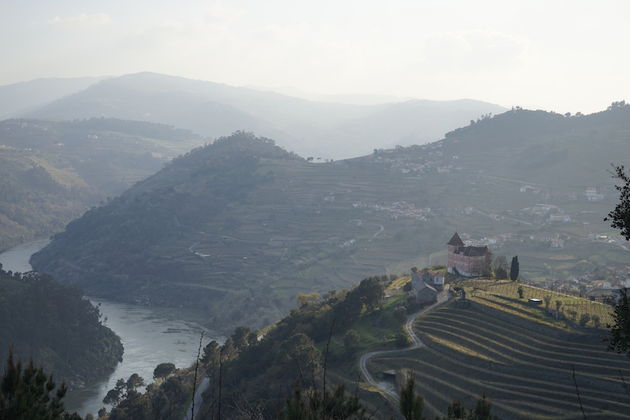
{"x":423,"y":292}
{"x":469,"y":261}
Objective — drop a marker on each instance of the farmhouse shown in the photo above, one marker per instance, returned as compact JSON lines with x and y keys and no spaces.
{"x":423,"y":292}
{"x":469,"y":261}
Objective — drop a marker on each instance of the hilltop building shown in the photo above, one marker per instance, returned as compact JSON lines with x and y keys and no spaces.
{"x":469,"y":261}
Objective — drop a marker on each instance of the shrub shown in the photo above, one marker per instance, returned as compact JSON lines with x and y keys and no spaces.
{"x":351,"y":341}
{"x":400,"y":314}
{"x":584,"y":319}
{"x":402,"y":340}
{"x":596,"y":321}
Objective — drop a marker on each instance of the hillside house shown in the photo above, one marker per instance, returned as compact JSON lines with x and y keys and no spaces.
{"x":423,"y":292}
{"x":468,"y":261}
{"x":433,"y":278}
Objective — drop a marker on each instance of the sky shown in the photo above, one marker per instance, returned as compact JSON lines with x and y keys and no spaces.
{"x":562,"y":56}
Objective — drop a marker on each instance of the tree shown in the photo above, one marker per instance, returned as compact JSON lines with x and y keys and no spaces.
{"x":547,"y":299}
{"x":514,"y":267}
{"x":520,"y":292}
{"x":619,"y":218}
{"x":482,"y":411}
{"x":243,"y":337}
{"x":115,"y":394}
{"x":558,"y":307}
{"x":597,"y":322}
{"x":163,"y":370}
{"x":619,"y":335}
{"x":411,"y":404}
{"x":315,"y":405}
{"x":584,"y":319}
{"x":456,"y":411}
{"x":210,"y":352}
{"x":371,"y":291}
{"x":124,"y":390}
{"x":29,"y":394}
{"x":499,"y":266}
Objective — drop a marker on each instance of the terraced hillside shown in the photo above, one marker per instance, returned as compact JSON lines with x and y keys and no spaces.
{"x":51,"y":172}
{"x":523,"y":365}
{"x":240,"y":227}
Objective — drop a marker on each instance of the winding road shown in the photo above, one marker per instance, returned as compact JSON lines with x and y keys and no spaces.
{"x":385,"y":387}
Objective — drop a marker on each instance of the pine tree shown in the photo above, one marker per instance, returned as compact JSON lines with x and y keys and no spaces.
{"x":514,"y":268}
{"x":619,"y":336}
{"x":29,"y":394}
{"x":411,"y":404}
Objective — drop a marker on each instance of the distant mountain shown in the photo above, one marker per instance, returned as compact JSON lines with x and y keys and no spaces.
{"x":51,"y":172}
{"x":239,"y":227}
{"x":20,"y":98}
{"x":310,"y":128}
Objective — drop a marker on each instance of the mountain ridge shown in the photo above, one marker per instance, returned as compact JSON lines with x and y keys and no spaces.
{"x":308,"y":127}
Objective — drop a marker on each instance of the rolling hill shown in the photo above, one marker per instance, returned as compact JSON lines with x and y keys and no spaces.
{"x":239,"y":227}
{"x":51,"y":172}
{"x":311,"y":128}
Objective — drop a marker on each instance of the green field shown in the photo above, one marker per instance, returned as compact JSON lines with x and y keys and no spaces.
{"x":520,"y":359}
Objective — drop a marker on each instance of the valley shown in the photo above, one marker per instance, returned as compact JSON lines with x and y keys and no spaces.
{"x":242,"y":221}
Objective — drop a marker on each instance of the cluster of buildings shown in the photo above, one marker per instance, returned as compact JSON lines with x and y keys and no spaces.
{"x":463,"y":260}
{"x":398,"y":209}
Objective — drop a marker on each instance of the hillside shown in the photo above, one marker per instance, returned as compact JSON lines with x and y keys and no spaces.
{"x":51,"y":172}
{"x":309,"y":128}
{"x":519,"y":355}
{"x":55,"y":327}
{"x":260,"y":369}
{"x":18,"y":98}
{"x":238,"y":228}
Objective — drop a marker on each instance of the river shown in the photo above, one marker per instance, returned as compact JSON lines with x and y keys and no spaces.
{"x":150,"y":336}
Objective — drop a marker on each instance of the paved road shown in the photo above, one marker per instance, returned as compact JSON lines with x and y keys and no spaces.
{"x":386,"y":387}
{"x":200,"y":390}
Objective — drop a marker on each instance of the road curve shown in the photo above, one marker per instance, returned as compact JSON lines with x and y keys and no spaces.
{"x":385,"y":387}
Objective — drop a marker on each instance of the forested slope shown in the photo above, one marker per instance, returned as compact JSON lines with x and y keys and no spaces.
{"x":56,"y":327}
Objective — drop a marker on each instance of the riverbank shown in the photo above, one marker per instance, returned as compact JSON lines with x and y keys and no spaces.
{"x":149,"y":335}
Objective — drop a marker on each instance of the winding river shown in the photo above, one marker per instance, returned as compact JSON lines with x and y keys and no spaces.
{"x":150,"y":336}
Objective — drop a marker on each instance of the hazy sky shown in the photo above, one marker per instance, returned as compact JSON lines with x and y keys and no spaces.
{"x":552,"y":54}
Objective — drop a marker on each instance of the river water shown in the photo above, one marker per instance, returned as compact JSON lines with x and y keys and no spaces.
{"x":150,"y":336}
